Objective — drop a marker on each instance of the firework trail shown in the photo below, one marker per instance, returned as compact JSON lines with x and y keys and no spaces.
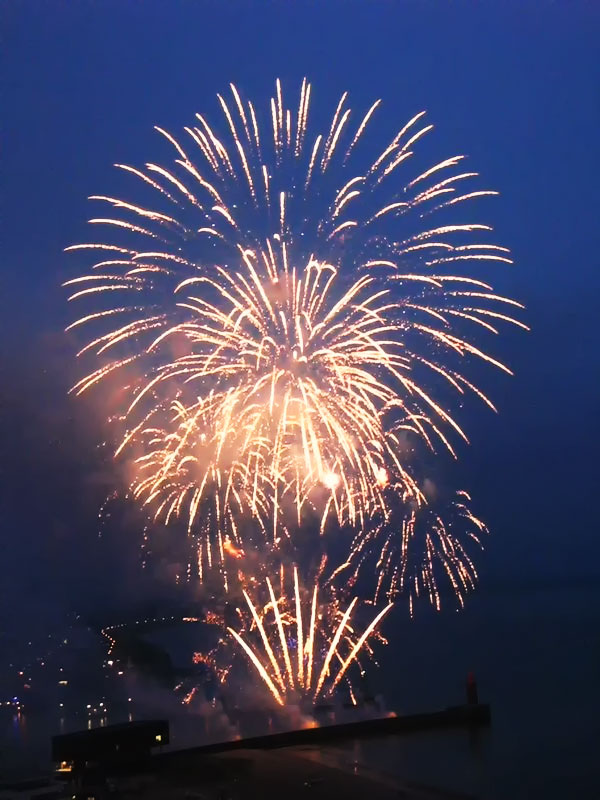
{"x":280,"y":317}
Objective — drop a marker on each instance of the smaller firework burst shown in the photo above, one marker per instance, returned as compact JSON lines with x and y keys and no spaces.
{"x":302,"y":645}
{"x":423,"y":552}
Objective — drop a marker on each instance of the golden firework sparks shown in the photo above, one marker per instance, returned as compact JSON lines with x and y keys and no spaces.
{"x":330,"y":637}
{"x":279,"y":320}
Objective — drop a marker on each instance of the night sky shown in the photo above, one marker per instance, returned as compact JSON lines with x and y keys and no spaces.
{"x":512,"y":84}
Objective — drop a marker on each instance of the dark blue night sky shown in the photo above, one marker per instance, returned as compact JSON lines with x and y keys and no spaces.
{"x":515,"y":85}
{"x":512,"y":84}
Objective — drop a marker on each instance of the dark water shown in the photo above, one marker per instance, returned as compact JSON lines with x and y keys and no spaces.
{"x":536,"y":655}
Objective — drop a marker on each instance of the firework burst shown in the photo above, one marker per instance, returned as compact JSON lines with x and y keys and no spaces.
{"x":279,"y":317}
